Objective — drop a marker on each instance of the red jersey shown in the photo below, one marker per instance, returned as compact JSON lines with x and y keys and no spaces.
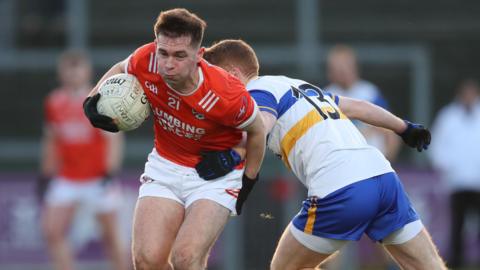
{"x":81,"y":148}
{"x":209,"y":119}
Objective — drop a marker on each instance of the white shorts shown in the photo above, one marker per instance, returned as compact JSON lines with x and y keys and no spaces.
{"x":102,"y":197}
{"x":328,"y":246}
{"x":165,"y":179}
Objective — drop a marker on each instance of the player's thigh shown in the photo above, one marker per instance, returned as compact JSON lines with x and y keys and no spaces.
{"x":56,"y":219}
{"x":204,"y":221}
{"x":292,"y":254}
{"x":155,"y":226}
{"x":59,"y":209}
{"x":417,"y":253}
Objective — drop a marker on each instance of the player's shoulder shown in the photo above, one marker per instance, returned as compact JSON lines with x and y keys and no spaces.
{"x":145,"y":50}
{"x":263,"y":82}
{"x":144,"y":53}
{"x":143,"y":61}
{"x":273,"y":84}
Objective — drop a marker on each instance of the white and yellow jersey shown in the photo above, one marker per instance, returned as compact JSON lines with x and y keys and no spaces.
{"x":313,"y":137}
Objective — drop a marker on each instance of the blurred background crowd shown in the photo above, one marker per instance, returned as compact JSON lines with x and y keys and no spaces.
{"x":419,"y":60}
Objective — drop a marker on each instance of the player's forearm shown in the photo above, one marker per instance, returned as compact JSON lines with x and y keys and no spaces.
{"x":371,"y":114}
{"x":241,"y":147}
{"x":115,"y":69}
{"x":268,"y":121}
{"x":255,"y":153}
{"x":256,"y":140}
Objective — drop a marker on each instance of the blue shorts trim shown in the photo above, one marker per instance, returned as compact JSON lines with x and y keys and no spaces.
{"x":376,"y":206}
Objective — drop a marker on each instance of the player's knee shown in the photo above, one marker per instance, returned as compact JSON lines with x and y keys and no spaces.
{"x":146,"y":259}
{"x":187,"y":258}
{"x":146,"y":262}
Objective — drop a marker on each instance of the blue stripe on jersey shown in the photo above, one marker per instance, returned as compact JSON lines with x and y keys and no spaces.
{"x":265,"y":101}
{"x":286,"y":101}
{"x":334,"y":97}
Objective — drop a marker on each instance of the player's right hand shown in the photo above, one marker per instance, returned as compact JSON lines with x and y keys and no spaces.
{"x":217,"y":163}
{"x":98,"y":120}
{"x":416,"y":136}
{"x":247,"y":186}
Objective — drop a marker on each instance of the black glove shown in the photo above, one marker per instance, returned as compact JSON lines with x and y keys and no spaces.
{"x":217,"y":164}
{"x":98,"y":120}
{"x":247,"y":186}
{"x":416,"y":136}
{"x":41,"y":187}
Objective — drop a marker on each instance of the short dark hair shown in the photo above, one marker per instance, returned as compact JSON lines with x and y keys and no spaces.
{"x":233,"y":52}
{"x":180,"y":22}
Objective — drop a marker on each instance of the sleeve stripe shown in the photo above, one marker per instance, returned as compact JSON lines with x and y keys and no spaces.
{"x":252,"y":117}
{"x":269,"y":109}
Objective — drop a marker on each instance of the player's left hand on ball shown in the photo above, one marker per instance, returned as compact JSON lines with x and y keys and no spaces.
{"x":416,"y":136}
{"x":247,"y":186}
{"x":217,"y":164}
{"x":98,"y":120}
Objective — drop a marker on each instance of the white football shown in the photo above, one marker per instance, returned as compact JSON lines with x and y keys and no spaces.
{"x":122,"y":98}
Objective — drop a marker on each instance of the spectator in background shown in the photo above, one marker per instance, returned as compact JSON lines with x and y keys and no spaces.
{"x":345,"y":81}
{"x":343,"y":74}
{"x":80,"y":160}
{"x":455,"y":153}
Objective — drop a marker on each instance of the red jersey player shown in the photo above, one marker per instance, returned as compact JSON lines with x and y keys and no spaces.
{"x":197,"y":108}
{"x":78,"y":157}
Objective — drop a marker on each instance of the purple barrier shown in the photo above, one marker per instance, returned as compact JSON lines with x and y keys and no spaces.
{"x":20,"y":229}
{"x":21,"y":239}
{"x":430,"y":198}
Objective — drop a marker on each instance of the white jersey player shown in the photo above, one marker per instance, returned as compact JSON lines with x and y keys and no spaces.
{"x":311,"y":127}
{"x":352,"y":189}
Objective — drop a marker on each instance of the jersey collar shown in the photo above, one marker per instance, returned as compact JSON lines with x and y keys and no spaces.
{"x":200,"y":81}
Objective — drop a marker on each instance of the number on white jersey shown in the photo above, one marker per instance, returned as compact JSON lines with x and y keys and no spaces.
{"x":328,"y":111}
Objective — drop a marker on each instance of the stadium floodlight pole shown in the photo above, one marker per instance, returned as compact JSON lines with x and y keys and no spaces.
{"x":7,"y":23}
{"x":77,"y":23}
{"x":308,"y":44}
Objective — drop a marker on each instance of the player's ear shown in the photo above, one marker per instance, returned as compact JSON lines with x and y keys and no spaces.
{"x":200,"y":53}
{"x":235,"y":71}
